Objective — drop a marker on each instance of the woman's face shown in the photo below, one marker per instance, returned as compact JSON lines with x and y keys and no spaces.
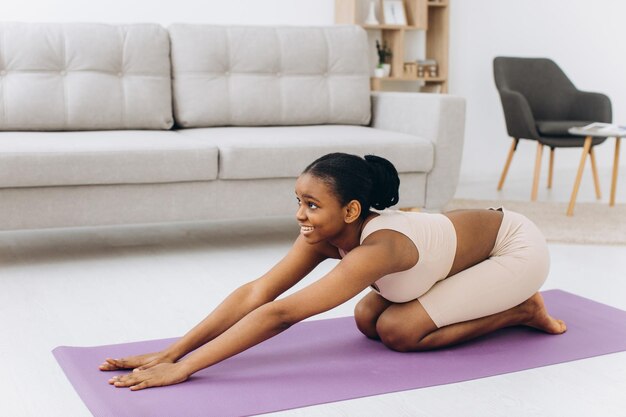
{"x":320,"y":214}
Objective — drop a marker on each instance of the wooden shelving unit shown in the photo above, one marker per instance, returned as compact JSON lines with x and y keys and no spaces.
{"x":432,"y":17}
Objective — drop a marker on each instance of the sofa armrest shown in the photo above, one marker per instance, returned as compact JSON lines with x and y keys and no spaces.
{"x":437,"y":117}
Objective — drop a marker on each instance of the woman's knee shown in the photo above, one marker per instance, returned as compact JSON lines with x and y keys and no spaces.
{"x":394,"y":334}
{"x":403,"y":327}
{"x":366,"y":316}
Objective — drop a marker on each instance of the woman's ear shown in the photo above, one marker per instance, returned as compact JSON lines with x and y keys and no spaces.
{"x":353,"y":211}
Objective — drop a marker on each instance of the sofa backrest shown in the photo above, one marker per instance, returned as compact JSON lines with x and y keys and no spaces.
{"x":256,"y":75}
{"x":84,"y":76}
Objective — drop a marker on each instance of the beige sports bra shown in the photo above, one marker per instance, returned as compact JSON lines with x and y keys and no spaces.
{"x":435,"y":239}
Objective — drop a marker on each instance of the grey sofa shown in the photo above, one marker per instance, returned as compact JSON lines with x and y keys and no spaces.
{"x":121,"y":124}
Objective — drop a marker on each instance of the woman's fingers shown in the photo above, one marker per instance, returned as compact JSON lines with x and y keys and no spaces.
{"x":113,"y":379}
{"x":147,"y":366}
{"x":123,"y":363}
{"x":117,"y":364}
{"x":134,"y":362}
{"x":122,"y":380}
{"x":160,"y":375}
{"x":134,"y":381}
{"x":142,"y":385}
{"x":109,"y":365}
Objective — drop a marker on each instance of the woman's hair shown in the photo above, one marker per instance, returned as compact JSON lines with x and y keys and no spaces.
{"x":372,"y":181}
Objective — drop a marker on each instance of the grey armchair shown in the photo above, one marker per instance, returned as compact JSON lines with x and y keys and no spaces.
{"x":540,"y":103}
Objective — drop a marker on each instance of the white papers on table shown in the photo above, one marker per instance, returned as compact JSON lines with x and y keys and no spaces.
{"x":608,"y":129}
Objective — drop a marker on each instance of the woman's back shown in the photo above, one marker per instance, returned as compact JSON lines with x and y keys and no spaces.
{"x":476,"y":233}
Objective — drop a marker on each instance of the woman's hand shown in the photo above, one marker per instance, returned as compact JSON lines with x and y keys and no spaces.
{"x":157,"y":376}
{"x":139,"y":362}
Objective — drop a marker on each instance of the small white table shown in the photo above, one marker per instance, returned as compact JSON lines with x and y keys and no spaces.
{"x":587,"y":146}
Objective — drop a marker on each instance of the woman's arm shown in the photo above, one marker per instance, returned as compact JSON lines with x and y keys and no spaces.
{"x":298,"y":262}
{"x":360,"y":268}
{"x":239,"y":303}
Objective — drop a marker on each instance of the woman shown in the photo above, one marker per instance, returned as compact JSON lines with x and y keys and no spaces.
{"x":437,"y":279}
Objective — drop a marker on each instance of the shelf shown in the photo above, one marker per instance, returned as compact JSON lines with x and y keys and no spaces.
{"x":427,"y":23}
{"x":390,"y":27}
{"x":425,"y":79}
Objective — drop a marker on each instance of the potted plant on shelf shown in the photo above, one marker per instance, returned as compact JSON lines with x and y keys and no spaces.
{"x":383,"y":69}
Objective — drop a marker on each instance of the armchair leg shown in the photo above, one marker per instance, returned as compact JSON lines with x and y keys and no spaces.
{"x":508,"y":163}
{"x":594,"y":170}
{"x":579,"y":175}
{"x":551,"y":170}
{"x":533,"y":195}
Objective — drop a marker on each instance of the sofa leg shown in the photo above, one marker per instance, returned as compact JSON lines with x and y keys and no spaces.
{"x":533,"y":194}
{"x":508,"y":163}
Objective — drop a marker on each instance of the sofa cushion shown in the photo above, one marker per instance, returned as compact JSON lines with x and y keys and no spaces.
{"x":29,"y":159}
{"x":259,"y":76}
{"x":280,"y":152}
{"x":84,"y":76}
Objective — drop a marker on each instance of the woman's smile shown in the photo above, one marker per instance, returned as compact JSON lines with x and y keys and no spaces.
{"x":306,"y":229}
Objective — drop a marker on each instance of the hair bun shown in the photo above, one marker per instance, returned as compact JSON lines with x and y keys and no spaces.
{"x":385,"y":182}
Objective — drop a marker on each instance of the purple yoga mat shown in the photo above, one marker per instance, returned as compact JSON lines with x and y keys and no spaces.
{"x":329,"y":360}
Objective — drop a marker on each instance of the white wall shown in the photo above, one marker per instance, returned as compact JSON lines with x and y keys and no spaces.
{"x":295,"y":12}
{"x":583,"y":37}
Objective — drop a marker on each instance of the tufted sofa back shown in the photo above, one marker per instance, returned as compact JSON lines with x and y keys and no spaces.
{"x":84,"y":76}
{"x":255,"y":75}
{"x":90,"y":76}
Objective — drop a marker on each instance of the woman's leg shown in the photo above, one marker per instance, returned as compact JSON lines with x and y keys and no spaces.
{"x":408,"y":327}
{"x":367,"y":312}
{"x":499,"y":292}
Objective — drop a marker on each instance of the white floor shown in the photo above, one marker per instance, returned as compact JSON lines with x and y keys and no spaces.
{"x":113,"y":285}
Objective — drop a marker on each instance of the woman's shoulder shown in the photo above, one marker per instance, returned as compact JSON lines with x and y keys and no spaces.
{"x":387,"y":219}
{"x":398,"y":248}
{"x":390,"y":216}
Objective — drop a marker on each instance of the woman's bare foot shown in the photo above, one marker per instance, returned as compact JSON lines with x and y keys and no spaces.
{"x":539,"y":317}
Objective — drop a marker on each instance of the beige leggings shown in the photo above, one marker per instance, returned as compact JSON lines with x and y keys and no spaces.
{"x":516,"y":268}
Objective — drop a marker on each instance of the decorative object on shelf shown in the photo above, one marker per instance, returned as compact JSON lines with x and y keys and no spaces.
{"x":384,"y":58}
{"x":379,"y":71}
{"x":371,"y":17}
{"x":384,"y":52}
{"x":393,"y":12}
{"x":410,"y":69}
{"x":430,"y":68}
{"x":387,"y":69}
{"x":421,"y":71}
